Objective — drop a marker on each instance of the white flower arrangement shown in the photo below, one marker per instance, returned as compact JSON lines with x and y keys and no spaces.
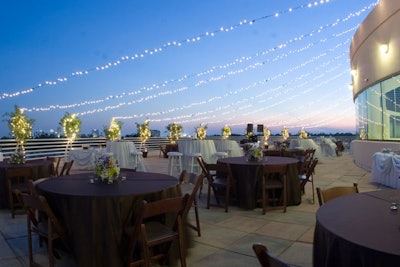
{"x":255,"y":153}
{"x":303,"y":134}
{"x":144,"y":132}
{"x":201,"y":131}
{"x":106,"y":168}
{"x":226,"y":132}
{"x":114,"y":131}
{"x":174,"y":132}
{"x":285,"y":133}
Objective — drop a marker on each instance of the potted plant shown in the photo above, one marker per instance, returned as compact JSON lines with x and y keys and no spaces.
{"x":113,"y":132}
{"x":175,"y":131}
{"x":144,"y":134}
{"x":70,"y":124}
{"x":21,"y":128}
{"x":226,"y":132}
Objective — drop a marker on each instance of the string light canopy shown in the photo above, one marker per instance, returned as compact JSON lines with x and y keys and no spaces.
{"x":161,"y":48}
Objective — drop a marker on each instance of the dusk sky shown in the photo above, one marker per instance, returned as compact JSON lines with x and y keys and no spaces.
{"x":217,"y":62}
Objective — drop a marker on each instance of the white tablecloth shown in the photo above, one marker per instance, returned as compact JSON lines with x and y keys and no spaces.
{"x":122,"y":151}
{"x":306,"y":143}
{"x":83,"y":158}
{"x":189,"y":146}
{"x":328,"y":148}
{"x":386,"y":169}
{"x":230,"y":146}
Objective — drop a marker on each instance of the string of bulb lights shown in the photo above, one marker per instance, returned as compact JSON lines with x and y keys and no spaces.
{"x":209,"y":71}
{"x":209,"y":76}
{"x":178,"y":44}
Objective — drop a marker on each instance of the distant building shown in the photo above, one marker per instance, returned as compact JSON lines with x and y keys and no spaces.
{"x":155,"y":133}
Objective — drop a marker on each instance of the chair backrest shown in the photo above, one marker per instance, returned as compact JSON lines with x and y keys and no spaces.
{"x":335,"y":192}
{"x":203,"y":165}
{"x":265,"y":258}
{"x":151,"y":209}
{"x":271,"y":171}
{"x":311,"y":168}
{"x":33,"y":203}
{"x":307,"y":160}
{"x":66,"y":168}
{"x":56,"y":165}
{"x":18,"y":175}
{"x":195,"y":182}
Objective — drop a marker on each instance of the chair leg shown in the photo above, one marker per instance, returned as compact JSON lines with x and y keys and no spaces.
{"x":181,"y":244}
{"x":196,"y":212}
{"x":227,"y":199}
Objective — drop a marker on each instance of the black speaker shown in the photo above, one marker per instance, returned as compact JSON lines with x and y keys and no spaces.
{"x":249,"y":127}
{"x":260,"y":128}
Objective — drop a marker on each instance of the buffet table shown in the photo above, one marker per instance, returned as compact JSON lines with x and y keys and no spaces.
{"x":304,"y":144}
{"x":83,"y":158}
{"x":123,"y":152}
{"x":366,"y":232}
{"x":190,"y":146}
{"x":95,"y":214}
{"x":230,"y":146}
{"x":386,"y":169}
{"x":245,"y":173}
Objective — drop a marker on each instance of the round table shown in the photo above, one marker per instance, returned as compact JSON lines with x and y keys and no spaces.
{"x":42,"y":168}
{"x":123,"y":151}
{"x":189,"y":146}
{"x":245,"y":173}
{"x":358,"y":230}
{"x":95,"y":214}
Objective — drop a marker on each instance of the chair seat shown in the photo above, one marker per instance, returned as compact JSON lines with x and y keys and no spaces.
{"x":159,"y":233}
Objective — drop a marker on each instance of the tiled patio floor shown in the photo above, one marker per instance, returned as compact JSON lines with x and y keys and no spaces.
{"x":227,"y":238}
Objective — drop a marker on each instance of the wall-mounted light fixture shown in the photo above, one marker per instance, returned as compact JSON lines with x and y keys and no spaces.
{"x":353,"y":72}
{"x":384,"y":48}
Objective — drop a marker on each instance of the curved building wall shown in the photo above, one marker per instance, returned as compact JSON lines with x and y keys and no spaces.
{"x":376,"y":73}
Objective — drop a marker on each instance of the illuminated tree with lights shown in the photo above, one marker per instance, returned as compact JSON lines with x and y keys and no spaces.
{"x":20,"y":127}
{"x":226,"y":132}
{"x":175,"y":131}
{"x":114,"y":131}
{"x":144,"y":133}
{"x":71,"y":125}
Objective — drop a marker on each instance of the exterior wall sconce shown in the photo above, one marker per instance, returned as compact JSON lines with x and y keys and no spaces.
{"x":353,"y":72}
{"x":384,"y":48}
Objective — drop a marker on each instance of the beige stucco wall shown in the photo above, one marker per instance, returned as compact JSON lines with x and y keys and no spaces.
{"x":382,"y":25}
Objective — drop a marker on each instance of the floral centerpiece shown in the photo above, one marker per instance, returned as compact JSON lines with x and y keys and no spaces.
{"x":303,"y":134}
{"x":71,"y":125}
{"x":174,"y":132}
{"x":226,"y":132}
{"x":21,"y":127}
{"x":201,"y":131}
{"x":114,"y":131}
{"x":106,"y":168}
{"x":267,"y":134}
{"x":144,"y":133}
{"x":285,"y":133}
{"x":255,"y":152}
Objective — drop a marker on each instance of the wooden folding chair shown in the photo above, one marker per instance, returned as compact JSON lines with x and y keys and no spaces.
{"x":152,"y":233}
{"x":17,"y":179}
{"x":273,"y":179}
{"x":66,"y":168}
{"x":190,"y":184}
{"x":48,"y":227}
{"x":334,"y":192}
{"x":308,"y":177}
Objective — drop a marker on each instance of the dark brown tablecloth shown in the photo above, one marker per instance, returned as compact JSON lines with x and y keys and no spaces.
{"x":95,"y":214}
{"x":358,"y":230}
{"x":39,"y":168}
{"x":245,"y":172}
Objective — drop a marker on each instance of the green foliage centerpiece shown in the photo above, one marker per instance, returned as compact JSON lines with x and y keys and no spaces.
{"x":226,"y":132}
{"x":255,"y":153}
{"x":175,"y":131}
{"x":113,"y":132}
